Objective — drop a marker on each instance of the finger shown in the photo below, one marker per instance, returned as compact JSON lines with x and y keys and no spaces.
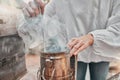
{"x":30,"y":11}
{"x":78,"y":45}
{"x":69,"y":43}
{"x":72,"y":52}
{"x":72,"y":44}
{"x":84,"y":46}
{"x":26,"y":13}
{"x":74,"y":49}
{"x":25,"y":8}
{"x":41,"y":5}
{"x":33,"y":5}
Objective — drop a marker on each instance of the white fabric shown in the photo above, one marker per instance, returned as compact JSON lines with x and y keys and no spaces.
{"x":98,"y":17}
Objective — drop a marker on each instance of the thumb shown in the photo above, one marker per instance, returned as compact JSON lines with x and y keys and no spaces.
{"x":41,"y":5}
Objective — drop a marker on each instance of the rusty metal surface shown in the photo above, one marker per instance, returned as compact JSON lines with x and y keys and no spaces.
{"x":56,"y":66}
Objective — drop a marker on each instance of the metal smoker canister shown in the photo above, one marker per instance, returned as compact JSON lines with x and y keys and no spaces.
{"x":57,"y":66}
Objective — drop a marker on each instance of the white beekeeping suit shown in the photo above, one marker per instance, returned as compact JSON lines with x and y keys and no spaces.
{"x":98,"y":17}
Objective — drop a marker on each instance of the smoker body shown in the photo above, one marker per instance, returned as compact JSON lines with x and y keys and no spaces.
{"x":56,"y":66}
{"x":12,"y":57}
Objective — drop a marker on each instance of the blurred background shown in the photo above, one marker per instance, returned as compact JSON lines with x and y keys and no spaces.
{"x":30,"y":62}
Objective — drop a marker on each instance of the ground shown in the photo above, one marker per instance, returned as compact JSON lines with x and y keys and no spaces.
{"x":32,"y":63}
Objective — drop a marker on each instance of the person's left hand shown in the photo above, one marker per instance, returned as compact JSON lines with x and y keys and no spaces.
{"x":76,"y":45}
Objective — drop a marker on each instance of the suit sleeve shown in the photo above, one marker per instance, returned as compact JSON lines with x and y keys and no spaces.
{"x":107,"y":41}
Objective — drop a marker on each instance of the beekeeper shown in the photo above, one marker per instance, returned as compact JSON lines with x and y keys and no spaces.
{"x":93,"y":29}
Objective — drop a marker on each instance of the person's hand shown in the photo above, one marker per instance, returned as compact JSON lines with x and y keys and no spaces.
{"x":76,"y":45}
{"x":34,"y":8}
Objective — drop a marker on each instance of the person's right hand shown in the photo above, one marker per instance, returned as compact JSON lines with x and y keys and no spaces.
{"x":34,"y":8}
